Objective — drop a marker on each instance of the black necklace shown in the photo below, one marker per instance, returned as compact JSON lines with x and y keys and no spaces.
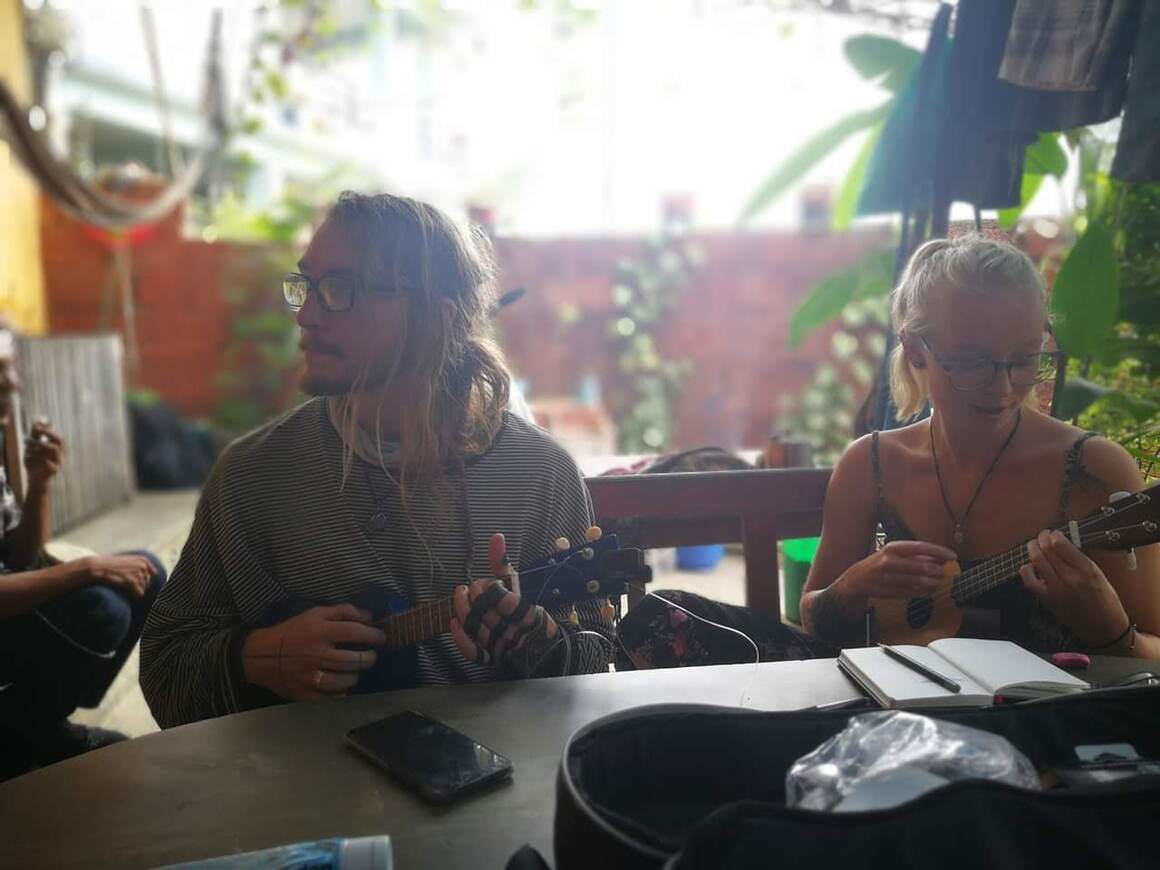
{"x":380,"y":519}
{"x":958,"y":533}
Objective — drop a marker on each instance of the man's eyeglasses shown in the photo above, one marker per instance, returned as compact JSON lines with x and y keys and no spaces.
{"x":335,"y":292}
{"x":977,"y":374}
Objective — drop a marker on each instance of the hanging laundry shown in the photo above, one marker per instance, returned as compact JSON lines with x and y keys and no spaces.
{"x":1066,"y":45}
{"x":1066,"y":63}
{"x":901,"y":168}
{"x":982,"y":148}
{"x":950,"y":136}
{"x":1138,"y":151}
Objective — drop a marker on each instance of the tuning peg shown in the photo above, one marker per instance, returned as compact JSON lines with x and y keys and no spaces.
{"x":563,"y":544}
{"x":1131,"y":554}
{"x":607,"y":611}
{"x":594,"y":533}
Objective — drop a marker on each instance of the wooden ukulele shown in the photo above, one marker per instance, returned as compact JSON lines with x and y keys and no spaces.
{"x":1124,"y":523}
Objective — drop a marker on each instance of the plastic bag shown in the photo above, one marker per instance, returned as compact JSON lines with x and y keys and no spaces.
{"x":886,"y":758}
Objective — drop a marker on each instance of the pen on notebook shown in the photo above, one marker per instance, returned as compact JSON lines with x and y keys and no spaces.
{"x":915,"y":665}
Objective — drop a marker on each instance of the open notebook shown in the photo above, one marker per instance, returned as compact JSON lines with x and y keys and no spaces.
{"x":984,"y":668}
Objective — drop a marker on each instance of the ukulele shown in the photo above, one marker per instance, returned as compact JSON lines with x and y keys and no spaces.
{"x":1126,"y":522}
{"x":597,"y":568}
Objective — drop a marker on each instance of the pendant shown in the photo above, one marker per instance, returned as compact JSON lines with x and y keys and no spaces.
{"x":958,"y":535}
{"x":378,"y":522}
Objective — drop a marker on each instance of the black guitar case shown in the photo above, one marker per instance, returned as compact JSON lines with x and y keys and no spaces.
{"x":682,"y":787}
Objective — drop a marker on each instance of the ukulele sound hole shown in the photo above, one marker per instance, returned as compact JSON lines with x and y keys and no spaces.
{"x":918,"y":611}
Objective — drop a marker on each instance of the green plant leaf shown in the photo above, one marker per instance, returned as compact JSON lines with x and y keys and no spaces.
{"x":1028,"y":187}
{"x":1141,"y":456}
{"x":870,"y":276}
{"x":875,"y":56}
{"x":803,"y":159}
{"x":1085,"y":296}
{"x":1076,"y":396}
{"x":847,"y":201}
{"x":1045,"y":156}
{"x":277,"y":84}
{"x":1141,"y":350}
{"x":1138,"y":409}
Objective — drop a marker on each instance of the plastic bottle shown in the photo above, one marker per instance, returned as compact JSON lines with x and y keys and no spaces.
{"x":339,"y":853}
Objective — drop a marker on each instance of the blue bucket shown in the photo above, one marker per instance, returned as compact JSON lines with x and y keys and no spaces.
{"x":701,"y":558}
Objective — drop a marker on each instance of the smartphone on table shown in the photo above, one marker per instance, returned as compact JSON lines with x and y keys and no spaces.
{"x":425,"y":754}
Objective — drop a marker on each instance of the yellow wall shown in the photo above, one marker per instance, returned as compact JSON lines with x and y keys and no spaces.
{"x":21,"y":278}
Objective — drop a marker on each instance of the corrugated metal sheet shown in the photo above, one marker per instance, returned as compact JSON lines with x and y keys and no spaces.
{"x":76,"y":382}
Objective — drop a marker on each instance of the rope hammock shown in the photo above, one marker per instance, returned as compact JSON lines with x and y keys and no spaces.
{"x":94,"y":206}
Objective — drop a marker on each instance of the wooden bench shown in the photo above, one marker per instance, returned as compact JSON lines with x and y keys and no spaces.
{"x":754,"y":508}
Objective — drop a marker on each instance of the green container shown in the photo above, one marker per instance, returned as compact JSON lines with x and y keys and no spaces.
{"x":797,"y":556}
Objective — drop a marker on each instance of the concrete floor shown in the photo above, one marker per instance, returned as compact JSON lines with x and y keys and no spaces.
{"x":161,"y":521}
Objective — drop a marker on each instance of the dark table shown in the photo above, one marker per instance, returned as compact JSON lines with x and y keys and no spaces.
{"x":282,"y":774}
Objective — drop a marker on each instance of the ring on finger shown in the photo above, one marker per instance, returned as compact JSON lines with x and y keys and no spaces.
{"x":318,"y":679}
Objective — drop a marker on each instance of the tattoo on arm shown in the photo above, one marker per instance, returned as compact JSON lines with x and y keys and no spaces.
{"x":831,"y":621}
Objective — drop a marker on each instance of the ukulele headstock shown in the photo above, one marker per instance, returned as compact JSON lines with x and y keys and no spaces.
{"x":598,"y":568}
{"x":1128,"y":520}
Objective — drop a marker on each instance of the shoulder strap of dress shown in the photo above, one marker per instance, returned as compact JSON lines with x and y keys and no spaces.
{"x":1072,"y":463}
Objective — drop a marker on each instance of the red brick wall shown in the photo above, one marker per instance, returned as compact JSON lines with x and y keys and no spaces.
{"x":182,"y":316}
{"x":732,"y":324}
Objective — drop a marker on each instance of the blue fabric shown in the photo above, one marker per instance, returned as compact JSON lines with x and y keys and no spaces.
{"x":67,"y":652}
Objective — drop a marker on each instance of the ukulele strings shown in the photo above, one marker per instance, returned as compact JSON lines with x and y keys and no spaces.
{"x":983,"y":576}
{"x":382,"y":623}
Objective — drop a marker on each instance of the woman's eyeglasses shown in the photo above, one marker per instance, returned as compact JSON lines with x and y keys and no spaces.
{"x":977,"y":374}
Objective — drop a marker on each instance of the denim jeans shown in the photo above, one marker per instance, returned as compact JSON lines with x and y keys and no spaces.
{"x":67,"y":652}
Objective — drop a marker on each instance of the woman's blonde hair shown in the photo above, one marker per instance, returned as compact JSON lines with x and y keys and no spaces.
{"x":447,"y":350}
{"x":973,"y":263}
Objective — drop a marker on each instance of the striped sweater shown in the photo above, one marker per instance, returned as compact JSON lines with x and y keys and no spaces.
{"x":277,"y":519}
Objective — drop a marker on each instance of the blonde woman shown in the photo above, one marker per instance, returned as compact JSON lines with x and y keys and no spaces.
{"x":388,"y":486}
{"x":984,"y":473}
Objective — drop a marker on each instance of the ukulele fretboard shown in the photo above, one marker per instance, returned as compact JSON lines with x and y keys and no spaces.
{"x":420,"y":623}
{"x":989,"y":575}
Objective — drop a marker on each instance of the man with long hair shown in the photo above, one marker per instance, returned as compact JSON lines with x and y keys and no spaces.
{"x":387,"y":486}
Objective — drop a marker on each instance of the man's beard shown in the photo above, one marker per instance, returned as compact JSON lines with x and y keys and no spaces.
{"x":340,"y":385}
{"x":317,"y":385}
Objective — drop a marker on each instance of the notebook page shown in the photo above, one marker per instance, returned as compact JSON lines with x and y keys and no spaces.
{"x":904,"y":686}
{"x":995,"y":664}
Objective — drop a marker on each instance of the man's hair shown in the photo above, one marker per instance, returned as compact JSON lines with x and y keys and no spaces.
{"x":973,"y":263}
{"x":461,"y":380}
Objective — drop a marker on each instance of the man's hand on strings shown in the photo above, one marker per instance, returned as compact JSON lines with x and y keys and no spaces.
{"x":491,"y":622}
